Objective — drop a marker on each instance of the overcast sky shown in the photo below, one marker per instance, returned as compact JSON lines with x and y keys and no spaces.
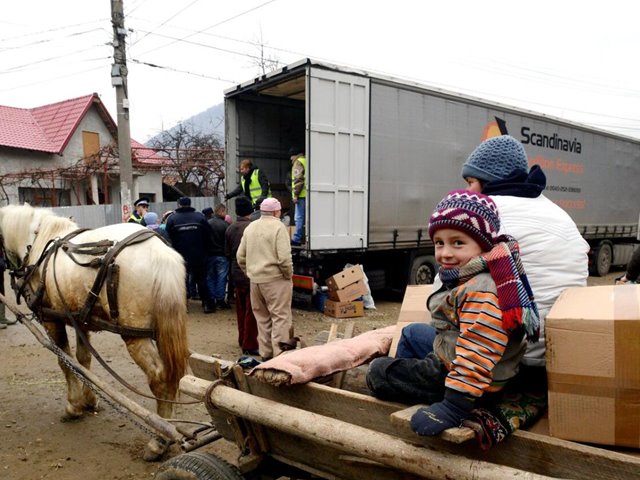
{"x":577,"y":60}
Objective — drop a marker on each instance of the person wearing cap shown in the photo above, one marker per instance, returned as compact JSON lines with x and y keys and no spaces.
{"x":554,"y":254}
{"x":256,"y":209}
{"x":151,"y":220}
{"x":481,"y":310}
{"x":190,"y":236}
{"x":264,"y":255}
{"x":253,"y":183}
{"x":247,"y":326}
{"x":142,"y":206}
{"x":298,"y":191}
{"x":217,"y":261}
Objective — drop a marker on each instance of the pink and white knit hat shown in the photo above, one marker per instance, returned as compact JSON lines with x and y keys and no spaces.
{"x":470,"y":212}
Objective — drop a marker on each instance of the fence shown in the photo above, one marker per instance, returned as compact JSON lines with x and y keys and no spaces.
{"x":94,"y":216}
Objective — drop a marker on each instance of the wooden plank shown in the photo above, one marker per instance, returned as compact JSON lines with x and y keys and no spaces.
{"x":524,"y":450}
{"x":355,"y":440}
{"x":402,"y":418}
{"x":539,"y":453}
{"x":338,"y":378}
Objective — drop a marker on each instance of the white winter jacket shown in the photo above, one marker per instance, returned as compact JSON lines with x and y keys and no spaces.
{"x":553,"y":252}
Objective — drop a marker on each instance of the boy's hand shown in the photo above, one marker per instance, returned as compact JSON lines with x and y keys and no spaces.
{"x":439,"y":416}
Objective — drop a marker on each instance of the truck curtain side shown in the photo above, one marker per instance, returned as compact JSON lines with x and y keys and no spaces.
{"x":381,"y":152}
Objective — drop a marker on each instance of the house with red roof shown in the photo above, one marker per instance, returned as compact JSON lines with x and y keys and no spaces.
{"x":66,"y":153}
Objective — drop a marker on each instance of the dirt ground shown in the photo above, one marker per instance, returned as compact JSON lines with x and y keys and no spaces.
{"x":36,"y":444}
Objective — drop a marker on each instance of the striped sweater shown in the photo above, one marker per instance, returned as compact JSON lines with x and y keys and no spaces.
{"x":471,"y":342}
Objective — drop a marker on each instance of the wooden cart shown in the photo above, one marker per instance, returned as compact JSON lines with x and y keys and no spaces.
{"x":317,"y":431}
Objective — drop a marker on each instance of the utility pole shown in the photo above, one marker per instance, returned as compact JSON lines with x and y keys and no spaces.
{"x":119,"y":81}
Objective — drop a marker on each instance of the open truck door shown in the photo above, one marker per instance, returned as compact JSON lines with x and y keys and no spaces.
{"x":338,"y":160}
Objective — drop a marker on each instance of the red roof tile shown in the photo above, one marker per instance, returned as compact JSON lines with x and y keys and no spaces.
{"x":50,"y":127}
{"x":19,"y":129}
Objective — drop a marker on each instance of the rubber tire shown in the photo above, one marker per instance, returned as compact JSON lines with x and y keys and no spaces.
{"x":423,"y":270}
{"x":602,"y":260}
{"x":197,"y":466}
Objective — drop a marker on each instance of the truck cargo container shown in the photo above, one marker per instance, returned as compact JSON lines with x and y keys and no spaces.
{"x":381,"y":152}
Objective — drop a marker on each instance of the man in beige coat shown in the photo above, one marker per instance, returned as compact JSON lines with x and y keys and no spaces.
{"x":265,"y":257}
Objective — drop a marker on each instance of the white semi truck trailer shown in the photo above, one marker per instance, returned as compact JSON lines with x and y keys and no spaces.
{"x":381,"y":152}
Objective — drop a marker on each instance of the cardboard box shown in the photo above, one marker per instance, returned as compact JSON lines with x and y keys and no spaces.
{"x":346,"y":277}
{"x":343,"y":309}
{"x":593,"y":365}
{"x":349,"y":293}
{"x":413,"y":309}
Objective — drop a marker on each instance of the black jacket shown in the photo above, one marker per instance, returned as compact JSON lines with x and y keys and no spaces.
{"x":218,"y":227}
{"x":190,"y":234}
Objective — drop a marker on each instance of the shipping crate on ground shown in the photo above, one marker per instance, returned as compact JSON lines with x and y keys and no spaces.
{"x":347,"y":285}
{"x":593,"y":365}
{"x":349,"y":293}
{"x":345,"y":278}
{"x":343,"y":309}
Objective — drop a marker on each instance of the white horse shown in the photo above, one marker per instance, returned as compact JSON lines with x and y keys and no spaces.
{"x":150,"y":295}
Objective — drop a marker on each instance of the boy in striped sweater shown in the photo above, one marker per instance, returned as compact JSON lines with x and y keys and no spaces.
{"x":482,"y":308}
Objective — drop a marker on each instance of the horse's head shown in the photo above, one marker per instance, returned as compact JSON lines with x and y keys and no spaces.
{"x":15,"y":223}
{"x":20,"y":228}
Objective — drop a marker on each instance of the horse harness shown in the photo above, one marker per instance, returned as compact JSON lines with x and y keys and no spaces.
{"x":104,"y":253}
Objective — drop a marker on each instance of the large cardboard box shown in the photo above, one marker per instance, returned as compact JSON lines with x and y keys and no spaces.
{"x":343,"y":309}
{"x":349,"y":293}
{"x":413,"y":309}
{"x":345,"y":277}
{"x":593,"y":365}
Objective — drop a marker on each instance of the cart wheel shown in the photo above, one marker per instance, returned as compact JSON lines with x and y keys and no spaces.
{"x":197,"y":466}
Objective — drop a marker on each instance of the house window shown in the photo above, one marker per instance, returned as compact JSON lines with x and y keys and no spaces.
{"x":44,"y":197}
{"x":90,"y":144}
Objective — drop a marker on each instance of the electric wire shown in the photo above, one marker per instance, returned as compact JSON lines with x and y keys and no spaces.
{"x":212,"y":26}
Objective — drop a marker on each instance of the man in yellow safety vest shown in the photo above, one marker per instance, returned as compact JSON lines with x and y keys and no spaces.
{"x":253,"y":183}
{"x":298,"y":191}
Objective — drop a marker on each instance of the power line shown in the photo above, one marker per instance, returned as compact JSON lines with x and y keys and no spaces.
{"x":172,"y":69}
{"x":212,"y":26}
{"x":53,"y":29}
{"x":167,"y":21}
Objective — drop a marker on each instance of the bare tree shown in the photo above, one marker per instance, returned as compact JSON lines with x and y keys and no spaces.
{"x":264,"y":61}
{"x":195,"y":160}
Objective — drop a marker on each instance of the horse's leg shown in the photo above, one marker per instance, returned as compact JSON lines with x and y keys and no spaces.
{"x":144,"y":353}
{"x":88,"y":396}
{"x":74,"y":407}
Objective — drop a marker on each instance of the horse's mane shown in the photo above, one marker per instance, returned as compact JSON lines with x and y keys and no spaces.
{"x":18,"y":224}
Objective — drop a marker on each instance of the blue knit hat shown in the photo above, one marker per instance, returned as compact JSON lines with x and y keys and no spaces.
{"x":472,"y":213}
{"x":495,"y":159}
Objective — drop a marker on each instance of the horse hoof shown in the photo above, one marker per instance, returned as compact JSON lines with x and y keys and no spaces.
{"x":154,"y":450}
{"x":72,"y":414}
{"x":66,"y":418}
{"x":93,"y":408}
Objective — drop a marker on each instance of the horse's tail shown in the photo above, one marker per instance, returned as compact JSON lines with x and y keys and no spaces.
{"x":170,"y":314}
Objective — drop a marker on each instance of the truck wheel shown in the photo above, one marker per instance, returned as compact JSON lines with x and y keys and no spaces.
{"x":197,"y":466}
{"x":602,"y":258}
{"x":423,"y":270}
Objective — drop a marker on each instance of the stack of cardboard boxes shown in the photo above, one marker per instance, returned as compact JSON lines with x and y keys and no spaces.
{"x":344,"y":288}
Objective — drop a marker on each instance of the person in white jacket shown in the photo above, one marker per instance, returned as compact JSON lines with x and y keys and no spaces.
{"x":553,"y":252}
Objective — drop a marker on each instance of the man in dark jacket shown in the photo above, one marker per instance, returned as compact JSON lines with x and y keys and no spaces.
{"x":253,"y":184}
{"x":190,"y":235}
{"x":247,"y":326}
{"x":217,"y":262}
